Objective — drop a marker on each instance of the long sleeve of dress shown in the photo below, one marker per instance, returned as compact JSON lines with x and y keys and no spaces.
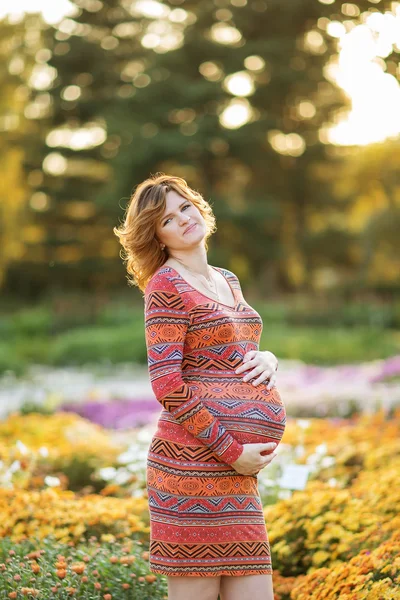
{"x":166,"y":324}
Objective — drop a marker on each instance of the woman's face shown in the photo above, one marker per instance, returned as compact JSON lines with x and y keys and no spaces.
{"x":178,"y":215}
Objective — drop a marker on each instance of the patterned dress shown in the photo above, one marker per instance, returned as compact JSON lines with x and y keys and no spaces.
{"x":206,"y":519}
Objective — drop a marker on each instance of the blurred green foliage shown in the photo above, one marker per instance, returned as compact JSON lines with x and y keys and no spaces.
{"x":303,"y":330}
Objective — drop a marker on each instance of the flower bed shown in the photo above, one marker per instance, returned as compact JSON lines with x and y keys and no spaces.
{"x":69,"y":517}
{"x":368,"y":576}
{"x":62,"y":449}
{"x":105,"y":569}
{"x":336,"y":538}
{"x":339,"y":538}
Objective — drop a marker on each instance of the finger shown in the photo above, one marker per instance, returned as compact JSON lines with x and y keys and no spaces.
{"x":268,"y":446}
{"x":243,"y":367}
{"x":263,"y":377}
{"x":250,"y":354}
{"x":269,"y":458}
{"x":272,"y":382}
{"x":253,"y":373}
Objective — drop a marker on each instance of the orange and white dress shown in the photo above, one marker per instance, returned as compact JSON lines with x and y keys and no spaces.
{"x":206,"y":519}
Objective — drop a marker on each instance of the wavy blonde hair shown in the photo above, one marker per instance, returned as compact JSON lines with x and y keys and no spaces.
{"x":141,"y":250}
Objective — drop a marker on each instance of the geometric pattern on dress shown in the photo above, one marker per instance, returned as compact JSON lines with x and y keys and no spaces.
{"x":206,"y":519}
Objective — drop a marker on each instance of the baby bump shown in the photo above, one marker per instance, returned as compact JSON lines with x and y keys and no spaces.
{"x":255,"y":416}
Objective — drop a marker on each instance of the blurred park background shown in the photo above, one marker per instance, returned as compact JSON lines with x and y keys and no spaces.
{"x":285,"y":115}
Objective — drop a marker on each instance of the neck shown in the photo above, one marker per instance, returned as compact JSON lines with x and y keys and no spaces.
{"x":194,"y":260}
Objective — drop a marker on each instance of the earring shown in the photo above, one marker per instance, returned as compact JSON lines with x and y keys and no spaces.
{"x":162,"y":246}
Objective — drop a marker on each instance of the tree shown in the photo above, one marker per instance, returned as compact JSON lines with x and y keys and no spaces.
{"x":14,"y":196}
{"x":163,"y":93}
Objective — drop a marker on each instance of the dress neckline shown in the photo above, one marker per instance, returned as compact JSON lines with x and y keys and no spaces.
{"x":201,"y":293}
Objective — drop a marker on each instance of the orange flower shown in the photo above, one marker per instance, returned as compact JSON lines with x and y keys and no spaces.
{"x":34,"y":554}
{"x":26,"y":591}
{"x":35,"y":568}
{"x":78,"y":568}
{"x":61,"y":573}
{"x":112,"y":488}
{"x":12,"y":595}
{"x":114,"y":559}
{"x":145,"y":555}
{"x":127,"y":560}
{"x":126,"y":586}
{"x":107,"y":597}
{"x":17,"y":577}
{"x":97,"y":585}
{"x":85,"y":579}
{"x":71,"y":590}
{"x":150,"y":578}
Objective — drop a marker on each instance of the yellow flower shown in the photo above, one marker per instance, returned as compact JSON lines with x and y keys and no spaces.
{"x":320,"y":557}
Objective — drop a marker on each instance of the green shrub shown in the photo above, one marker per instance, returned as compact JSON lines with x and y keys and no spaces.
{"x":116,"y":345}
{"x":346,"y":315}
{"x":29,"y":406}
{"x":118,"y":313}
{"x":317,"y":345}
{"x":31,"y":321}
{"x":10,"y":361}
{"x":33,"y":349}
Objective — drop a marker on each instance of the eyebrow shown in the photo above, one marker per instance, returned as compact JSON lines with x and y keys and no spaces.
{"x":180,"y":206}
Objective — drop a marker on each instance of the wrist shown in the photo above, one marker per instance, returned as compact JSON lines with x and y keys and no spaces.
{"x":234,"y":451}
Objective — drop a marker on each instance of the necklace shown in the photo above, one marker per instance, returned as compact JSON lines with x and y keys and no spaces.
{"x":208,"y":279}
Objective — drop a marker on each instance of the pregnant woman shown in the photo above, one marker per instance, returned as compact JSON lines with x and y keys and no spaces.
{"x":222,"y":414}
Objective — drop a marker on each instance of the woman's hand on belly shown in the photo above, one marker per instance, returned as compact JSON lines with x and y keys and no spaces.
{"x":264,"y":364}
{"x":251,"y":461}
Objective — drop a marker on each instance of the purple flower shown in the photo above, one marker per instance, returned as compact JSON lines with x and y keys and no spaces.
{"x":116,"y":414}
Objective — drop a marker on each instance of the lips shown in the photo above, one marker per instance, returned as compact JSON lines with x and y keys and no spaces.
{"x":188,"y":229}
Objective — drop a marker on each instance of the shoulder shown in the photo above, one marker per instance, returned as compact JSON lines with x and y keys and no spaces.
{"x":162,"y":279}
{"x":161,"y":291}
{"x":230,"y":276}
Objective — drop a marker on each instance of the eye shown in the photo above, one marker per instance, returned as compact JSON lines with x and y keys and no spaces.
{"x":183,"y":207}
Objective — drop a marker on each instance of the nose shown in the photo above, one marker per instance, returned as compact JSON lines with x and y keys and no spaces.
{"x":185,"y":221}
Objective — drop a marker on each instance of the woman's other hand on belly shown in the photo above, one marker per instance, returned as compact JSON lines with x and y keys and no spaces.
{"x":251,"y":461}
